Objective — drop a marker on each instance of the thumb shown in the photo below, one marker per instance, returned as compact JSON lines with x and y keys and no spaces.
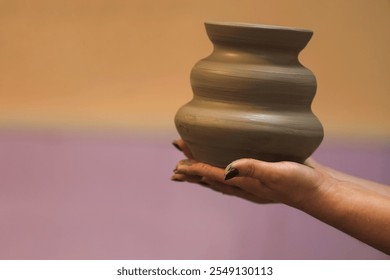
{"x":182,"y":146}
{"x":250,"y":168}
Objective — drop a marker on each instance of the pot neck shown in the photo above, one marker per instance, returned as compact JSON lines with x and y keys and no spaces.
{"x":255,"y":36}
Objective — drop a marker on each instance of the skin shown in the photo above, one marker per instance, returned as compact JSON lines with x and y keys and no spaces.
{"x":355,"y":206}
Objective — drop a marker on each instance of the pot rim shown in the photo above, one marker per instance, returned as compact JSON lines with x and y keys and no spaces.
{"x":257,"y":26}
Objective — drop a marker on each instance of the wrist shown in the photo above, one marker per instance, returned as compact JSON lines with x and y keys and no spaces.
{"x":321,"y":197}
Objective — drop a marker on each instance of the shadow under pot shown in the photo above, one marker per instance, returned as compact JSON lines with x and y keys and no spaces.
{"x":251,"y":97}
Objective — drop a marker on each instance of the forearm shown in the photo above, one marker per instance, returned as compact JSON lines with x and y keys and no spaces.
{"x":374,"y":186}
{"x":359,"y":212}
{"x":370,"y":185}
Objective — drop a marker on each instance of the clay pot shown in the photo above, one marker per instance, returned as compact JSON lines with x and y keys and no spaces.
{"x":252,"y":97}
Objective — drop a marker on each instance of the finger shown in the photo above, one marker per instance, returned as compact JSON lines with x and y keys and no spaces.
{"x":221,"y":188}
{"x":235,"y":191}
{"x":186,"y":178}
{"x":250,"y":168}
{"x":182,"y":146}
{"x":273,"y":174}
{"x":266,"y":172}
{"x":191,"y":167}
{"x":207,"y":172}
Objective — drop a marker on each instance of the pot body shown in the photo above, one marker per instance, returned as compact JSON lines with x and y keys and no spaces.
{"x":251,"y":97}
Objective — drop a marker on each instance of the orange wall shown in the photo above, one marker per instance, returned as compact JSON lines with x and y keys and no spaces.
{"x":125,"y":64}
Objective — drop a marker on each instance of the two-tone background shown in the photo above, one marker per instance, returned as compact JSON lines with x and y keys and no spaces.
{"x":88,"y":93}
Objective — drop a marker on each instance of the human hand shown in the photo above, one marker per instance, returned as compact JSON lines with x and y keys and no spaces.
{"x":257,"y":181}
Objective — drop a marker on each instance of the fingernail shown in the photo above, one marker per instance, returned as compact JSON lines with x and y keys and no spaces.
{"x":176,"y":180}
{"x":176,"y":146}
{"x":230,"y":172}
{"x":179,"y":171}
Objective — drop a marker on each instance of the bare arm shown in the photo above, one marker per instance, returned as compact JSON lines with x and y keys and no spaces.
{"x":359,"y":212}
{"x":335,"y":198}
{"x":374,"y":186}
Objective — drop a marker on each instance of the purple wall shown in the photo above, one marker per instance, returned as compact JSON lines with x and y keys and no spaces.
{"x":89,"y":196}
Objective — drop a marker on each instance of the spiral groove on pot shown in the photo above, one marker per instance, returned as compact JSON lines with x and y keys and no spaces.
{"x":269,"y":86}
{"x":252,"y":97}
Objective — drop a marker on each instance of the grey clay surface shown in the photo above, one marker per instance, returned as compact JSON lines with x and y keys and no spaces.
{"x":252,"y":97}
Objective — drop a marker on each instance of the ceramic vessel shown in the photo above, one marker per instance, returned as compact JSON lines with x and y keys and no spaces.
{"x":251,"y":97}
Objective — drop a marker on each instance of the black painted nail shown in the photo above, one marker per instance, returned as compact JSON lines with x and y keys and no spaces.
{"x":176,"y":146}
{"x":176,"y":180}
{"x":230,"y":173}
